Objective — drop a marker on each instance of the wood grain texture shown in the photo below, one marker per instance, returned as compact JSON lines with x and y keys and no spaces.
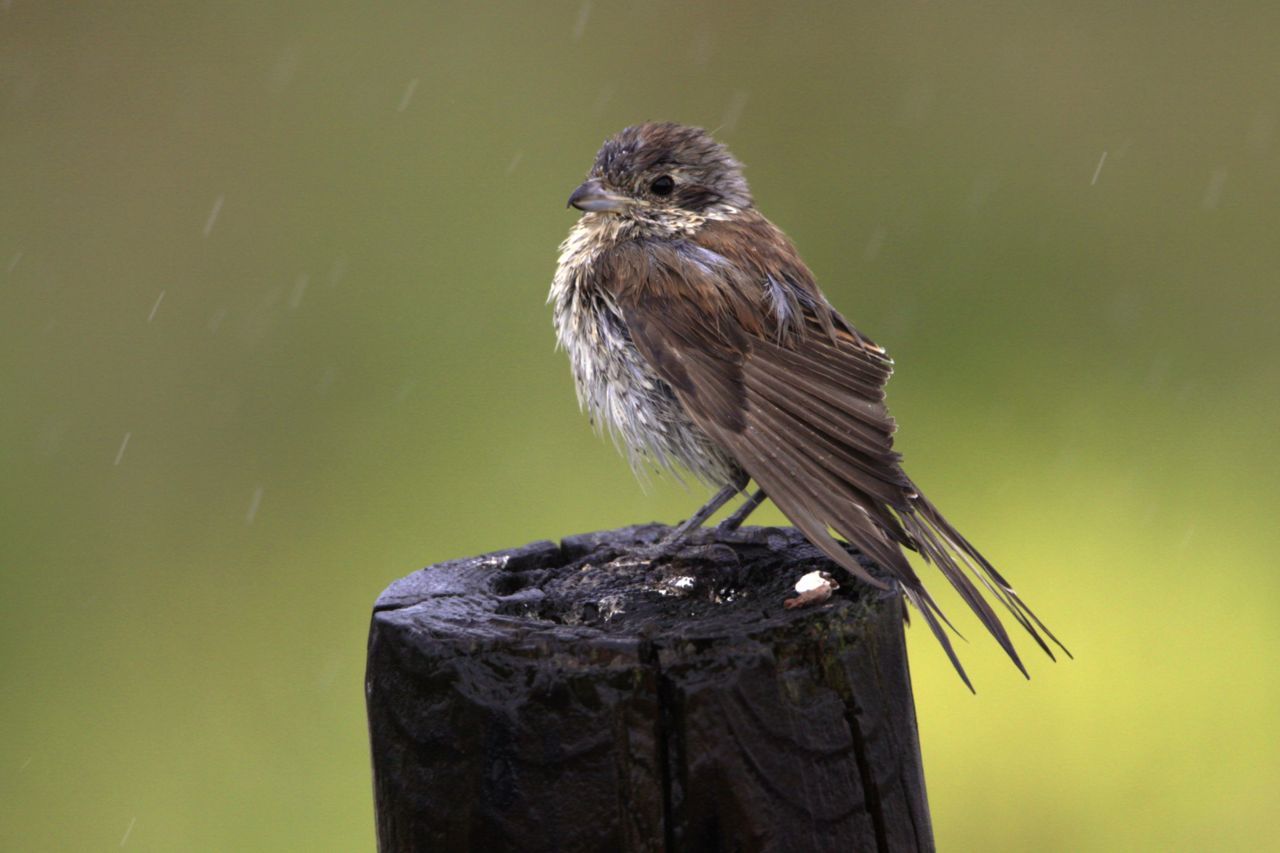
{"x":575,"y":697}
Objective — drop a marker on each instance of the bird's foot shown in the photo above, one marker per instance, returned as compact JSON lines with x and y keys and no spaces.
{"x":665,"y":551}
{"x":685,"y":548}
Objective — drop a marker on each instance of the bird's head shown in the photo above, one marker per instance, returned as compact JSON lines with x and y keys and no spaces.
{"x":663,"y":175}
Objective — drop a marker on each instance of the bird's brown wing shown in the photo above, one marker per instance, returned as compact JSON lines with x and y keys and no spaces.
{"x":804,"y":415}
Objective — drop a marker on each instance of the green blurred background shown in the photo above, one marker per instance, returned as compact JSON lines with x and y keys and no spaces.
{"x":271,"y":303}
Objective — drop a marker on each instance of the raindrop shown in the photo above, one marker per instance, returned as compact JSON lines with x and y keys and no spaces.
{"x":734,"y":112}
{"x":515,"y":161}
{"x":603,"y":98}
{"x":329,"y":673}
{"x":299,"y":290}
{"x":215,"y":322}
{"x":123,"y":445}
{"x":155,"y":307}
{"x":254,"y":503}
{"x":13,"y":264}
{"x":1098,"y":171}
{"x":128,"y":831}
{"x":213,"y":214}
{"x":704,"y":48}
{"x":285,"y":69}
{"x":984,"y":186}
{"x":1264,"y":127}
{"x":51,"y":438}
{"x":1186,"y":538}
{"x":875,"y":243}
{"x":408,"y":95}
{"x":406,"y":388}
{"x":580,"y":25}
{"x":326,"y":380}
{"x":337,"y":271}
{"x":1158,"y":372}
{"x":1213,"y":192}
{"x":916,"y":104}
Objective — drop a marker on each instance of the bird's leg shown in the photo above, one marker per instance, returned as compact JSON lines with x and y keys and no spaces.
{"x":734,"y":521}
{"x":708,"y":509}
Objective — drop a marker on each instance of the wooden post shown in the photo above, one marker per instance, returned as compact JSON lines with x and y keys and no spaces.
{"x":576,"y":697}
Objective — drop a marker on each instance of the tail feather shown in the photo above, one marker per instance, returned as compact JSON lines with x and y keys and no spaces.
{"x":929,"y":610}
{"x":980,"y":568}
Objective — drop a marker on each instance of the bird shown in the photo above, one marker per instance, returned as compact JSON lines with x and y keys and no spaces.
{"x":701,"y":341}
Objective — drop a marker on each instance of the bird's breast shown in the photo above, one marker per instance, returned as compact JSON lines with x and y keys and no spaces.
{"x":616,"y":385}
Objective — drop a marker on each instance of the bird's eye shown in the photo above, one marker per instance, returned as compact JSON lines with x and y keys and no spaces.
{"x":662,"y":185}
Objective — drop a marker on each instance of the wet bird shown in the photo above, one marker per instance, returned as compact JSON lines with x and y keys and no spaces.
{"x":699,"y":338}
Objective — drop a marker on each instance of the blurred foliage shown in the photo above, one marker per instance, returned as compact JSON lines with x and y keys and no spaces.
{"x":271,"y":297}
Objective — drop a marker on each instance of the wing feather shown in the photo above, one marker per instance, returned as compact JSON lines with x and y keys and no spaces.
{"x":803,"y":414}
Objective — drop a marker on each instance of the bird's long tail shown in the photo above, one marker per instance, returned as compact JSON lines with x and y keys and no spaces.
{"x":943,"y":546}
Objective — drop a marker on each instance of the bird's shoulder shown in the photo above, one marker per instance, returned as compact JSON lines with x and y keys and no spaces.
{"x":741,"y":268}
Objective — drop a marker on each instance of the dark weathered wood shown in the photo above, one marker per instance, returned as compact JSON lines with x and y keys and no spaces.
{"x":577,"y":697}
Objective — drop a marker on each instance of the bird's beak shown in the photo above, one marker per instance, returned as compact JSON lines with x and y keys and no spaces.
{"x":593,"y":197}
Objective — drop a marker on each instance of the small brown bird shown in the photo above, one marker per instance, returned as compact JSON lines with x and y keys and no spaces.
{"x":700,"y":339}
